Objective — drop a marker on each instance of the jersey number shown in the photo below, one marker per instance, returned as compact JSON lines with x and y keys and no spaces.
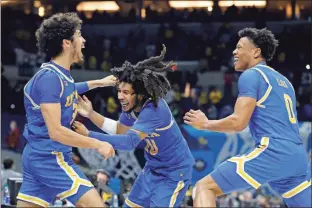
{"x":75,"y":107}
{"x":290,"y":109}
{"x":151,"y":146}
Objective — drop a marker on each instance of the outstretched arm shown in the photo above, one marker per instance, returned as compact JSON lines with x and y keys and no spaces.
{"x":108,"y":125}
{"x":82,"y":87}
{"x":126,"y":141}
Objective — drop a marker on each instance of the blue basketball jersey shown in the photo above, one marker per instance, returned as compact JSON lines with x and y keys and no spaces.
{"x":275,"y":114}
{"x":51,"y":84}
{"x":166,"y":150}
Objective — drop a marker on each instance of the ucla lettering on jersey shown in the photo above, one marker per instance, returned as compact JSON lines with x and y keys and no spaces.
{"x":36,"y":131}
{"x":276,"y":104}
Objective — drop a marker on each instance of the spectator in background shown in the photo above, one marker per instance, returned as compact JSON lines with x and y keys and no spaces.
{"x":215,"y":96}
{"x":8,"y":172}
{"x":102,"y":178}
{"x":111,"y":108}
{"x":13,"y":136}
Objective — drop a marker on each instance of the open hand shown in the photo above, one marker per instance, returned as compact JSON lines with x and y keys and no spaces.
{"x":197,"y":119}
{"x":80,"y":128}
{"x":84,"y":106}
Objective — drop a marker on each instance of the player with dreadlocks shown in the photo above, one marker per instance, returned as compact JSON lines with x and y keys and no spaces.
{"x":147,"y":118}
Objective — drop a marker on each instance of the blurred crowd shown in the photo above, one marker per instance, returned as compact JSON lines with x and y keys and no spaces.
{"x":213,"y":51}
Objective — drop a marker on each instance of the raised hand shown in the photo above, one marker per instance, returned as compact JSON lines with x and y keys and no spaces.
{"x":84,"y":106}
{"x":80,"y":128}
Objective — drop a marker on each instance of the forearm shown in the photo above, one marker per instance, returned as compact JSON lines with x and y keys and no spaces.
{"x":126,"y":141}
{"x":97,"y":119}
{"x":108,"y":125}
{"x":92,"y":84}
{"x":71,"y":138}
{"x":229,"y":124}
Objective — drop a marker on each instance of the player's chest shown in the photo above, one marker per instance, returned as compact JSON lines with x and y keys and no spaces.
{"x":69,"y":97}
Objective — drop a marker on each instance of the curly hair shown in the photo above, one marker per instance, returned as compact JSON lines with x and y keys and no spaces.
{"x":261,"y":38}
{"x":146,"y":76}
{"x":54,"y":30}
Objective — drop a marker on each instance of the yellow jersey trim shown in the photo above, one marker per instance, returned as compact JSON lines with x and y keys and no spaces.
{"x":131,"y":204}
{"x":240,"y":162}
{"x":77,"y":181}
{"x":32,"y":199}
{"x":176,"y":193}
{"x":297,"y":189}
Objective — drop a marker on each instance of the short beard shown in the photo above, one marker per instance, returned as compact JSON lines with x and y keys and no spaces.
{"x":76,"y":55}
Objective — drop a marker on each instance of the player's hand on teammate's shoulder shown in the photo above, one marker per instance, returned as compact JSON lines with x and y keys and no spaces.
{"x":80,"y":128}
{"x":84,"y":106}
{"x":197,"y":119}
{"x":109,"y":81}
{"x":106,"y":149}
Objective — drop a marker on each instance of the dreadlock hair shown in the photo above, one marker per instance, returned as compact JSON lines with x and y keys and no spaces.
{"x":261,"y":38}
{"x":146,"y":76}
{"x":54,"y":30}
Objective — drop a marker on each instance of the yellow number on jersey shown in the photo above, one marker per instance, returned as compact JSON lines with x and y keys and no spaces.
{"x":290,"y":109}
{"x":151,"y":146}
{"x":75,"y":107}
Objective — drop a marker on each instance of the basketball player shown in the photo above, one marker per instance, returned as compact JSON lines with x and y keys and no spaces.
{"x":146,"y":118}
{"x":51,"y":107}
{"x":266,"y":101}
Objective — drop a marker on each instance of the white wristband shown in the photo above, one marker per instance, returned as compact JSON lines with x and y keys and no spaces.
{"x":109,"y":126}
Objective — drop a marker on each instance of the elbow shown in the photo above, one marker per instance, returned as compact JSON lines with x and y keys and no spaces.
{"x":239,"y":125}
{"x":55,"y":134}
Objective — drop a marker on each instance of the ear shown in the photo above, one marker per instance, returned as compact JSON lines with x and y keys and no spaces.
{"x":66,"y":43}
{"x":257,"y":53}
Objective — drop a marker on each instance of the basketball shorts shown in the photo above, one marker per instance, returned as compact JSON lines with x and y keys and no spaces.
{"x":51,"y":175}
{"x":283,"y":165}
{"x":154,"y":190}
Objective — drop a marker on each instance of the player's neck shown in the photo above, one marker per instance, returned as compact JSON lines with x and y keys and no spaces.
{"x":62,"y":61}
{"x":256,"y":62}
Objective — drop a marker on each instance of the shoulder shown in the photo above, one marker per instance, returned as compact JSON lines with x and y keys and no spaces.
{"x":249,"y":76}
{"x":46,"y":74}
{"x":160,"y":108}
{"x":250,"y":73}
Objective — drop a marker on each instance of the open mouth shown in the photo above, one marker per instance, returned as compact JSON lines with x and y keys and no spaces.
{"x":124,"y":105}
{"x":235,"y":60}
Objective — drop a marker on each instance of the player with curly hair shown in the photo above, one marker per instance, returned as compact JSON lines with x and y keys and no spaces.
{"x":50,"y":100}
{"x":267,"y":101}
{"x":146,"y":118}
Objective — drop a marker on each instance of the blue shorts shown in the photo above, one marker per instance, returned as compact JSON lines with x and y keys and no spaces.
{"x":47,"y":175}
{"x":151,"y":189}
{"x":283,"y":165}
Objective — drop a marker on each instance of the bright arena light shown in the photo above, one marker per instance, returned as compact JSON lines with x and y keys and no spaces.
{"x":261,"y":3}
{"x":190,"y":4}
{"x":12,"y":106}
{"x":97,"y":5}
{"x":209,"y":8}
{"x":308,"y":66}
